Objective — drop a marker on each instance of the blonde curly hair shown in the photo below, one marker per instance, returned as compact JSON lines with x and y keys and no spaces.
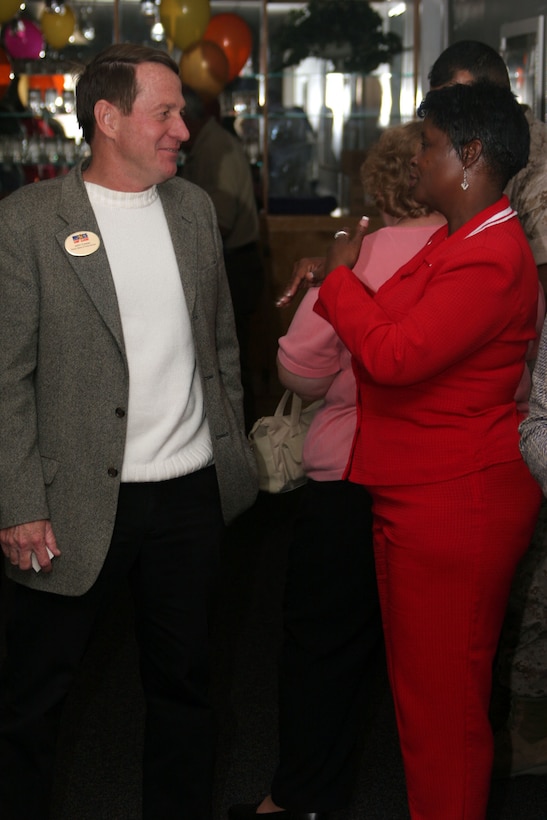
{"x":385,"y":171}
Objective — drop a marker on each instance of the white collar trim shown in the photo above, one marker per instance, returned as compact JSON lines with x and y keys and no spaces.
{"x":496,"y":219}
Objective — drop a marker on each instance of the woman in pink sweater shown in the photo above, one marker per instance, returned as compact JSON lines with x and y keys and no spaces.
{"x":331,"y":611}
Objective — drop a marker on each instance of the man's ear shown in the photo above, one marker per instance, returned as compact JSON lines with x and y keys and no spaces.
{"x":471,"y":152}
{"x":106,"y":117}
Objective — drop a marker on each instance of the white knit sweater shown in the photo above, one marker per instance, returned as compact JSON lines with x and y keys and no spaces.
{"x":167,"y":434}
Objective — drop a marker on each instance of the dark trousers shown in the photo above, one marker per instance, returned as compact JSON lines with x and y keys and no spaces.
{"x":166,"y":542}
{"x":331,"y":626}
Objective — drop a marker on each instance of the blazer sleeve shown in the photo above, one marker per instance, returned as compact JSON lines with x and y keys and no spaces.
{"x":226,"y":337}
{"x":22,"y":489}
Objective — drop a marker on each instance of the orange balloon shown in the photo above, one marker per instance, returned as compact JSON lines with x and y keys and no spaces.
{"x":57,"y":26}
{"x":234,"y":36}
{"x":45,"y":81}
{"x":204,"y":67}
{"x":8,"y":9}
{"x":184,"y":21}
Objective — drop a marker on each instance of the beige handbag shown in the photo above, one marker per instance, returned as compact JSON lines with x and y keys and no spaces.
{"x":277,"y":442}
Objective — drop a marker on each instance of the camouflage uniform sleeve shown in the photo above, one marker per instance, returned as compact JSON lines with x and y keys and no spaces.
{"x":527,"y":191}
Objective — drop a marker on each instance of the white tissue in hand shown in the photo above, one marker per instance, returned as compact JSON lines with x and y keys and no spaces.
{"x":35,"y":565}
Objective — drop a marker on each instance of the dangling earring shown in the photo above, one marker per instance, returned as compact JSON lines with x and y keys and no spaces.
{"x":465,"y":183}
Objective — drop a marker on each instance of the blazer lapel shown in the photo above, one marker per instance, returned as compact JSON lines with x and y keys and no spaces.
{"x":92,"y":270}
{"x":184,"y":237}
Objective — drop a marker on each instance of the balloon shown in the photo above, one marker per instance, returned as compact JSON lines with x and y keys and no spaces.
{"x":5,"y":72}
{"x":43,"y":82}
{"x":204,"y":67}
{"x":24,"y":40}
{"x":8,"y":9}
{"x":233,"y":35}
{"x":184,"y":21}
{"x":57,"y":26}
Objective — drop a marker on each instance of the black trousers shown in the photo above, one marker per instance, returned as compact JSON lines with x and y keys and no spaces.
{"x":332,"y":624}
{"x":166,"y":541}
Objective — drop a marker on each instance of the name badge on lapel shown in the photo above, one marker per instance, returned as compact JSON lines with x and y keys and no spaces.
{"x":82,"y":243}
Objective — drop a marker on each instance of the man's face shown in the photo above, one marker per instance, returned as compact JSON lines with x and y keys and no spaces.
{"x":148,"y":139}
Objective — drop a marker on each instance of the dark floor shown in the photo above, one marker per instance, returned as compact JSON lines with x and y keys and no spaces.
{"x":101,"y":738}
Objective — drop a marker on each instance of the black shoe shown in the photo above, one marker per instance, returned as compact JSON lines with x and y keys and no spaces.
{"x":247,"y":811}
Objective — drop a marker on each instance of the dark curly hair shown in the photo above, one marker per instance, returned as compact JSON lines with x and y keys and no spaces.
{"x":385,"y":171}
{"x":485,"y":111}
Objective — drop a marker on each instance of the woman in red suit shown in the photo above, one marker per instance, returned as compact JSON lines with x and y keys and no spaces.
{"x":438,"y":352}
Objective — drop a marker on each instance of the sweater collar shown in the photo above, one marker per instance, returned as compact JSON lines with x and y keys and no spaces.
{"x":100,"y":195}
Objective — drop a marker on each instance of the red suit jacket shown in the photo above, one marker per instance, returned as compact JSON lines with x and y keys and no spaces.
{"x":438,"y":352}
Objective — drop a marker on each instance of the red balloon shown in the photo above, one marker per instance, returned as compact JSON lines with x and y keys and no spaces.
{"x":204,"y":67}
{"x":5,"y":72}
{"x":233,"y":35}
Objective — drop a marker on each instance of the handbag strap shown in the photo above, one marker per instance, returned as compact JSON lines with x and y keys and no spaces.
{"x":280,"y":409}
{"x":296,"y":410}
{"x":296,"y":407}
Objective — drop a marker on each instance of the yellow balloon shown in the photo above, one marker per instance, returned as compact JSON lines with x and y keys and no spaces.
{"x":205,"y":68}
{"x":57,"y":26}
{"x":184,"y":21}
{"x":8,"y":9}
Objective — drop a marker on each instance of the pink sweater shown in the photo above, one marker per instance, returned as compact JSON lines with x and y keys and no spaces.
{"x":311,"y":349}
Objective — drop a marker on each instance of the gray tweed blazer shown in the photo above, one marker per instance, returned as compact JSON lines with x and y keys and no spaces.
{"x":64,"y":372}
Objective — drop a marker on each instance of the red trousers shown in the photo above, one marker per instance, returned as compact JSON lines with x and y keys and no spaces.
{"x":445,"y":557}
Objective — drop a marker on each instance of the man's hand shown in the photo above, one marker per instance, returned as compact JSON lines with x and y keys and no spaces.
{"x":306,"y":273}
{"x":19,"y":542}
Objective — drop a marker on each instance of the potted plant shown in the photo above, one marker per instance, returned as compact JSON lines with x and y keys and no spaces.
{"x":347,"y":32}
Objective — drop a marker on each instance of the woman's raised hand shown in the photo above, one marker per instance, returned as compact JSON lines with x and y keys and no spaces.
{"x":346,"y":246}
{"x":311,"y":270}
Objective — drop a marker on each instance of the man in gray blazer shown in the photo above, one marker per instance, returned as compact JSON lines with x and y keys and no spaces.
{"x":123,"y":450}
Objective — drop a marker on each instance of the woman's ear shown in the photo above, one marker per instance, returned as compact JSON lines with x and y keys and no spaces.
{"x":471,"y":152}
{"x":106,"y":117}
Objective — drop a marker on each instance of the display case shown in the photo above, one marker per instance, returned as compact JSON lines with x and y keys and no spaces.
{"x":39,"y":135}
{"x":302,"y":126}
{"x":307,"y":125}
{"x":523,"y":49}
